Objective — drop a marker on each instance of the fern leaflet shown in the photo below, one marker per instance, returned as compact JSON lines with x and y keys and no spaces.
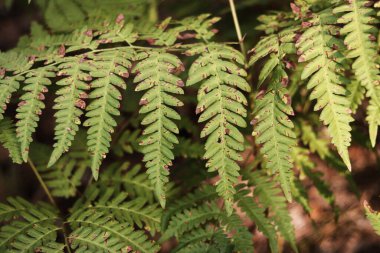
{"x":69,"y":103}
{"x":9,"y":141}
{"x":222,"y":105}
{"x":109,"y":68}
{"x":325,"y":65}
{"x":31,"y":106}
{"x":360,"y":30}
{"x":155,"y":74}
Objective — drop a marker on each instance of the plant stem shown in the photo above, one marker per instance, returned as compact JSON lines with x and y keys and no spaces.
{"x":237,"y":27}
{"x":51,"y":199}
{"x":153,"y":12}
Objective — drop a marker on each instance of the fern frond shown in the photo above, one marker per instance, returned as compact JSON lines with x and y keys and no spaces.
{"x":31,"y":105}
{"x":119,"y":32}
{"x":257,"y":215}
{"x":109,"y":68}
{"x":325,"y":66}
{"x":98,"y":232}
{"x":356,"y":95}
{"x":114,"y":203}
{"x":132,"y":180}
{"x":65,"y":176}
{"x":69,"y":103}
{"x":373,"y":119}
{"x":300,"y":195}
{"x":361,"y":31}
{"x":241,"y":237}
{"x":31,"y":227}
{"x":191,"y":218}
{"x":373,"y":217}
{"x":8,"y":85}
{"x":9,"y":141}
{"x":205,"y":193}
{"x":194,"y":237}
{"x":275,"y":130}
{"x":15,"y":62}
{"x":155,"y":70}
{"x":270,"y":197}
{"x":310,"y":138}
{"x":200,"y":25}
{"x":307,"y":167}
{"x":221,"y":104}
{"x":272,"y":126}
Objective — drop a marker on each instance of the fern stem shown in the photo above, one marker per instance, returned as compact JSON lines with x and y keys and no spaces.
{"x":50,"y":197}
{"x":153,"y":11}
{"x":237,"y":27}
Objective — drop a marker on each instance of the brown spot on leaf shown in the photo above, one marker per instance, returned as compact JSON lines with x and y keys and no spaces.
{"x":151,"y":41}
{"x":41,"y":96}
{"x":306,"y":24}
{"x":22,"y":103}
{"x":143,"y":101}
{"x":284,"y":81}
{"x":180,"y":83}
{"x":62,"y":50}
{"x":199,"y":110}
{"x":80,"y":104}
{"x":89,"y":33}
{"x":119,"y":18}
{"x":185,"y":36}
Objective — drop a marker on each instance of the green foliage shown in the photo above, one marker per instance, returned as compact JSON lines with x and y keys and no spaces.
{"x":318,"y":55}
{"x":106,"y":215}
{"x":30,"y":227}
{"x":269,"y":196}
{"x":373,"y":217}
{"x":319,"y":48}
{"x":221,"y":105}
{"x":360,"y":31}
{"x":9,"y":141}
{"x":154,"y":74}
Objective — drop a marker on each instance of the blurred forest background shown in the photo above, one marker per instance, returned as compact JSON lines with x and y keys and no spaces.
{"x":340,"y":229}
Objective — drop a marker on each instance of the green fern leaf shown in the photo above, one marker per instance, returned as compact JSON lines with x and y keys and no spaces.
{"x":257,"y":215}
{"x":119,"y":32}
{"x":65,"y":176}
{"x":361,"y":30}
{"x":272,"y":126}
{"x":373,"y":217}
{"x":242,"y":237}
{"x":15,"y":62}
{"x":194,"y":237}
{"x":275,"y":130}
{"x":154,"y":74}
{"x":33,"y":227}
{"x":69,"y":103}
{"x":98,"y":232}
{"x":373,"y":119}
{"x":200,"y":25}
{"x":202,"y":194}
{"x":9,"y":141}
{"x":109,"y":68}
{"x":221,"y":104}
{"x":8,"y":85}
{"x":31,"y":106}
{"x":269,"y":196}
{"x":134,"y":212}
{"x":191,"y":218}
{"x":356,"y":95}
{"x":315,"y":143}
{"x":320,"y":49}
